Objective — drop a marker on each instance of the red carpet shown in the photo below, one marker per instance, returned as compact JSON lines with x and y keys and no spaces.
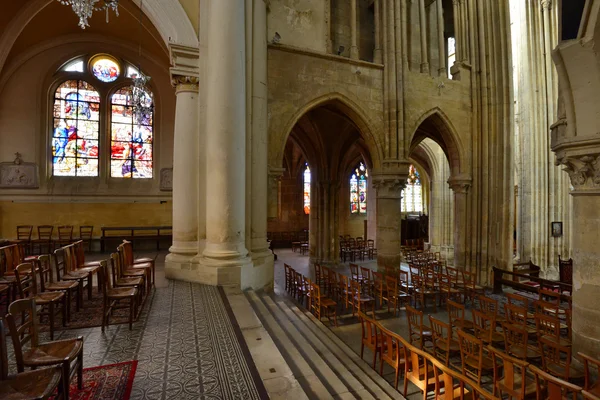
{"x":112,"y":381}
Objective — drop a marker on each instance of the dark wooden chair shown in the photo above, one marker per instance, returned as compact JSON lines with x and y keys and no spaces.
{"x":394,"y":295}
{"x":490,"y":306}
{"x":24,"y":233}
{"x":473,"y":353}
{"x":145,"y":263}
{"x":511,"y":376}
{"x":484,"y":326}
{"x":371,"y":336}
{"x":456,"y":316}
{"x":10,"y":257}
{"x":61,"y":263}
{"x":517,"y":315}
{"x":444,"y":345}
{"x":360,"y":301}
{"x":516,"y":342}
{"x":48,"y":284}
{"x":50,"y":302}
{"x":393,"y":352}
{"x":39,"y":384}
{"x":556,"y":359}
{"x":419,"y":334}
{"x":67,"y":353}
{"x":92,"y":267}
{"x":119,"y":281}
{"x":72,"y":268}
{"x":86,"y":233}
{"x":550,"y":387}
{"x":65,"y":235}
{"x":113,"y":297}
{"x":43,"y":241}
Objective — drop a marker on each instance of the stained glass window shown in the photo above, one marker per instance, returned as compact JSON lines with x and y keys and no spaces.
{"x":358,"y":190}
{"x":75,"y":129}
{"x":412,"y":195}
{"x":105,"y":69}
{"x":131,"y":138}
{"x":307,"y":190}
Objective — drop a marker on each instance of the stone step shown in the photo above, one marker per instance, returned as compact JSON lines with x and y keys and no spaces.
{"x":361,"y":370}
{"x":324,"y":366}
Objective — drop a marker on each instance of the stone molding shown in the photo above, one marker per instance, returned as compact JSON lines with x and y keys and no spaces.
{"x":546,"y":4}
{"x":18,"y":174}
{"x":389,"y":186}
{"x":276,"y":173}
{"x":185,"y":83}
{"x":460,"y":184}
{"x":166,"y":179}
{"x":583,"y":170}
{"x":185,"y":72}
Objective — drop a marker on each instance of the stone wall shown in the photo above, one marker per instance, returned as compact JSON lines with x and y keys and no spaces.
{"x":300,"y":23}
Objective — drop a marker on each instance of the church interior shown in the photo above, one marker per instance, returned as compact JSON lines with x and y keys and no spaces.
{"x":308,"y":199}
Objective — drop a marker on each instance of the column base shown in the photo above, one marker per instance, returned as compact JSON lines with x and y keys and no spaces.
{"x":261,"y":274}
{"x":180,"y":257}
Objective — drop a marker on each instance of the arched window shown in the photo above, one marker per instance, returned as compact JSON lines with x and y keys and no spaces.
{"x":76,"y":116}
{"x":131,"y":137}
{"x":358,"y":190}
{"x":307,"y":190}
{"x":412,"y":195}
{"x":89,"y":119}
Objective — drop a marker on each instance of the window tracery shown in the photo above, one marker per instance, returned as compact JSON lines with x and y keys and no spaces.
{"x":412,"y":195}
{"x":358,"y":190}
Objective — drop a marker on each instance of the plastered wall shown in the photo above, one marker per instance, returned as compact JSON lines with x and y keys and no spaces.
{"x":301,"y":23}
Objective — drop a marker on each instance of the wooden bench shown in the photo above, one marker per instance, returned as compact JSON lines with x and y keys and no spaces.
{"x":500,"y":280}
{"x":133,"y":233}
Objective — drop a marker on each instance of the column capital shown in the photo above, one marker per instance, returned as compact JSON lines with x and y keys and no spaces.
{"x":389,"y":186}
{"x":185,"y":83}
{"x":460,"y":183}
{"x":583,"y":170}
{"x":546,"y":4}
{"x":185,"y":67}
{"x":276,"y":173}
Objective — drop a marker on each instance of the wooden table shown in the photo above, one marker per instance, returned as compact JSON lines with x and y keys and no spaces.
{"x":132,"y":233}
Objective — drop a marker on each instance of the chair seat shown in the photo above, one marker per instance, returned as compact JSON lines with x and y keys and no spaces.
{"x":364,"y":299}
{"x":52,"y":352}
{"x":454,"y":346}
{"x":129,"y":281}
{"x":561,"y":372}
{"x":134,"y":272}
{"x":89,"y":269}
{"x":48,"y":297}
{"x":31,"y":384}
{"x":124,"y":292}
{"x":497,"y":337}
{"x":562,"y":341}
{"x":326,"y":302}
{"x":143,"y":260}
{"x":4,"y":288}
{"x":486,"y":362}
{"x":63,"y":285}
{"x":8,"y":280}
{"x":76,"y":274}
{"x":463,"y":324}
{"x":516,"y":381}
{"x":524,"y":353}
{"x":141,"y":265}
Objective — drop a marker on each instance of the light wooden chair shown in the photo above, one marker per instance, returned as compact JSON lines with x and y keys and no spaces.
{"x":550,"y":387}
{"x":419,"y":334}
{"x":591,"y":387}
{"x":371,"y":336}
{"x":320,"y":303}
{"x":393,"y":352}
{"x":556,"y":359}
{"x":444,"y":345}
{"x":511,"y":376}
{"x":475,"y":362}
{"x":456,"y":316}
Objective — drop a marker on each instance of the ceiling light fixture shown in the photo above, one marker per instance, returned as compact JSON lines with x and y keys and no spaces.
{"x":85,"y":8}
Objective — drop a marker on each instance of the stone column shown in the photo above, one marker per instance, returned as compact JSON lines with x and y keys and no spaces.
{"x":460,"y":186}
{"x":389,"y":194}
{"x":275,"y":175}
{"x":353,"y":31}
{"x":423,"y":30}
{"x":377,"y":55}
{"x":457,"y":31}
{"x":441,"y":39}
{"x":464,"y":25}
{"x":225,"y":253}
{"x":185,"y":172}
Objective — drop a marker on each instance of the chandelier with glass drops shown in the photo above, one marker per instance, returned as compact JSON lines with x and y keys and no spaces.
{"x":141,"y":99}
{"x":85,"y":8}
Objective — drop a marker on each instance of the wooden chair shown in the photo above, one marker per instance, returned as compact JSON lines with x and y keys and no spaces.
{"x":556,"y":359}
{"x":10,"y":257}
{"x":474,"y":362}
{"x":113,"y":297}
{"x":333,"y":281}
{"x":65,"y":235}
{"x":360,"y":301}
{"x":510,"y":376}
{"x":318,"y":303}
{"x":490,"y":306}
{"x":484,"y":326}
{"x":394,"y":295}
{"x":444,"y":344}
{"x":419,"y":371}
{"x":67,"y":353}
{"x":61,"y":263}
{"x":518,"y":316}
{"x":456,"y":316}
{"x":119,"y":281}
{"x":471,"y":288}
{"x":288,"y":277}
{"x":86,"y":234}
{"x":522,"y":301}
{"x":516,"y":342}
{"x":366,"y":281}
{"x":553,"y":298}
{"x":422,"y":291}
{"x":379,"y":286}
{"x":371,"y":336}
{"x":300,"y":288}
{"x":418,"y":333}
{"x":548,"y":327}
{"x":403,"y":282}
{"x":146,"y":264}
{"x":128,"y":272}
{"x":40,"y":384}
{"x":372,"y":251}
{"x":24,"y":232}
{"x":592,"y":388}
{"x":325,"y":286}
{"x":93,"y":267}
{"x":47,"y":283}
{"x":448,"y":288}
{"x":71,"y":270}
{"x":553,"y":388}
{"x":354,"y":274}
{"x":50,"y":302}
{"x":44,"y":239}
{"x":344,"y":291}
{"x":393,"y":352}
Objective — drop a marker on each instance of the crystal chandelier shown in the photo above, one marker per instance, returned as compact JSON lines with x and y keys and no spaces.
{"x":141,"y":99}
{"x":85,"y":8}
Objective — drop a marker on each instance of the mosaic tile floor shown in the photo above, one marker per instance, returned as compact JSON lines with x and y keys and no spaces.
{"x":186,"y":345}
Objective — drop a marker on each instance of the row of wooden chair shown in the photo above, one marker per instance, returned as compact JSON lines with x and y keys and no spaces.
{"x":46,"y":240}
{"x":357,"y":249}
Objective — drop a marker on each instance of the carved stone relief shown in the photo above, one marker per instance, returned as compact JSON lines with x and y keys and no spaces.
{"x":18,"y":174}
{"x":166,"y":179}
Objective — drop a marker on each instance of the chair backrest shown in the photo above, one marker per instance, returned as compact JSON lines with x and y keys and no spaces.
{"x":60,"y":262}
{"x":456,"y":312}
{"x":550,"y":296}
{"x":369,"y":330}
{"x":116,"y":268}
{"x":515,"y":314}
{"x":316,"y":296}
{"x":442,"y":334}
{"x":419,"y":370}
{"x":393,"y":350}
{"x":9,"y":259}
{"x":555,"y":357}
{"x":365,"y":273}
{"x":27,"y":331}
{"x":514,"y":378}
{"x":589,"y":362}
{"x":554,"y":387}
{"x":415,"y":326}
{"x":391,"y":285}
{"x":354,"y":271}
{"x":45,"y":232}
{"x":24,"y":232}
{"x":484,"y":324}
{"x":471,"y":348}
{"x":547,"y":325}
{"x":127,"y":253}
{"x":545,"y":307}
{"x":106,"y":276}
{"x":517,"y":299}
{"x":44,"y":265}
{"x":343,"y":281}
{"x":515,"y":337}
{"x":86,"y":232}
{"x":488,"y":305}
{"x":565,"y":270}
{"x":26,"y":279}
{"x":65,"y":232}
{"x":371,"y":244}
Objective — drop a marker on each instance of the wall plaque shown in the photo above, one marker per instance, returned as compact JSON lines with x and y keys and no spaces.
{"x":166,"y":179}
{"x":18,"y":174}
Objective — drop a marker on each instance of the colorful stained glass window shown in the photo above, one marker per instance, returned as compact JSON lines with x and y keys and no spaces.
{"x":358,"y":190}
{"x":307,"y":190}
{"x":75,"y":129}
{"x":412,"y":195}
{"x":106,"y":69}
{"x":131,"y":138}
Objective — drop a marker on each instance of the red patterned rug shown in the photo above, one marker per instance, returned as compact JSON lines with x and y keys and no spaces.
{"x":105,"y":382}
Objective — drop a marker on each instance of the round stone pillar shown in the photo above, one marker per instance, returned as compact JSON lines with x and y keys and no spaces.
{"x":225,"y":253}
{"x":389,"y":218}
{"x":185,"y":175}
